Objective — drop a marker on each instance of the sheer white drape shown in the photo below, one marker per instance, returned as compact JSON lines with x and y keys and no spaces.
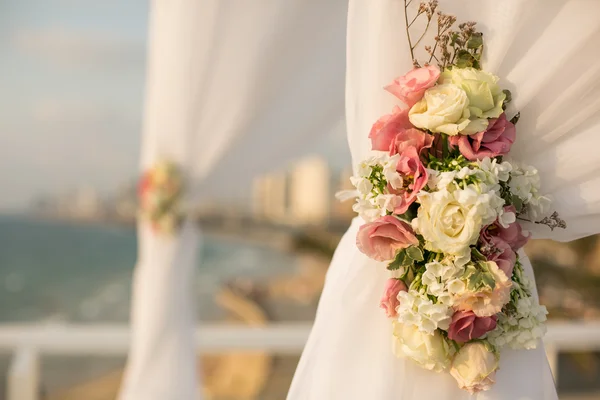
{"x":547,"y":52}
{"x":233,"y":87}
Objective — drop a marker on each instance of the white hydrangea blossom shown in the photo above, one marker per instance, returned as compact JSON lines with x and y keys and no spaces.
{"x":389,"y":171}
{"x":370,"y":204}
{"x":368,"y":211}
{"x":438,"y":276}
{"x":525,"y":184}
{"x":417,"y":309}
{"x":493,"y":172}
{"x":522,"y":330}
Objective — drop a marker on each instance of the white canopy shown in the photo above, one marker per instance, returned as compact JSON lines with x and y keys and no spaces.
{"x":233,"y":88}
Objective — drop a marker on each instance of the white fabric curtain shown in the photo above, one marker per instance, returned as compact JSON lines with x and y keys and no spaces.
{"x":544,"y":51}
{"x":547,"y":53}
{"x":233,"y":87}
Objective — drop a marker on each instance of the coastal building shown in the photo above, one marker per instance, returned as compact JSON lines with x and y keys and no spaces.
{"x":310,"y":194}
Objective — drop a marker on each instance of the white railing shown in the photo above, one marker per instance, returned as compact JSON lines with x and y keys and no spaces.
{"x":29,"y":343}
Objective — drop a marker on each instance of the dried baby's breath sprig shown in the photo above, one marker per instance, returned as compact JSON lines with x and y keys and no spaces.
{"x":553,"y":221}
{"x":442,"y":38}
{"x":426,"y":9}
{"x":461,"y":48}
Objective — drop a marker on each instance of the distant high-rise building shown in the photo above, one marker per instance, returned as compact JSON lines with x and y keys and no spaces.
{"x":270,"y":199}
{"x":310,"y":194}
{"x":86,"y":203}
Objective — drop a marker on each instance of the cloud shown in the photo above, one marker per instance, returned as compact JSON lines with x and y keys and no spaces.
{"x":83,"y":49}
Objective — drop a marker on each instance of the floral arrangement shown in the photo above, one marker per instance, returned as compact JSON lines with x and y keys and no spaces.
{"x":160,"y":191}
{"x":442,"y":202}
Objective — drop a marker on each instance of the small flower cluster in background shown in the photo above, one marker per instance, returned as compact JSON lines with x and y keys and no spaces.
{"x":160,"y":191}
{"x":441,"y":202}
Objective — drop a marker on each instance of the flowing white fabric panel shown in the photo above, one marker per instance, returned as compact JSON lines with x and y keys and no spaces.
{"x":232,"y":87}
{"x":546,"y":52}
{"x":349,"y":352}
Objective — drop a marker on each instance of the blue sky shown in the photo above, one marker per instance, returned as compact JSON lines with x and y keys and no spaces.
{"x":71,"y":92}
{"x":71,"y":80}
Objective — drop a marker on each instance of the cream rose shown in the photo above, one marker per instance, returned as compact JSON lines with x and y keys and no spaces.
{"x":450,"y":222}
{"x":444,"y":109}
{"x":485,"y":96}
{"x":432,"y":352}
{"x":474,"y":367}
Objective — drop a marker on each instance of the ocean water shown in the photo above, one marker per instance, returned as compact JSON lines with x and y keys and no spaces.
{"x":64,"y":272}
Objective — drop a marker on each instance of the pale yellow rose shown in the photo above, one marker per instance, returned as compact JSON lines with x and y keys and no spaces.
{"x":431,"y":352}
{"x":474,"y":367}
{"x":485,"y":96}
{"x":443,"y":108}
{"x":450,"y":222}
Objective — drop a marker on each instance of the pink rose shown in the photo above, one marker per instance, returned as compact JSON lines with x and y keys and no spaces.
{"x":389,"y":301}
{"x":513,"y":235}
{"x":502,"y":254}
{"x":465,"y":325}
{"x":381,"y":239}
{"x":410,"y":138}
{"x":495,"y":141}
{"x":411,"y":87}
{"x":387,"y":127}
{"x":414,"y":177}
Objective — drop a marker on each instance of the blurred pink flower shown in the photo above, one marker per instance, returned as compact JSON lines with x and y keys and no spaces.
{"x":389,"y":301}
{"x":381,"y":239}
{"x":411,"y":137}
{"x":465,"y":325}
{"x":387,"y":127}
{"x":495,"y":141}
{"x":502,"y":254}
{"x":411,"y":87}
{"x":414,"y":176}
{"x":513,"y":235}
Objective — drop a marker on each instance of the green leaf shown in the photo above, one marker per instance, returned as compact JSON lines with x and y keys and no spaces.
{"x":402,"y":260}
{"x":475,"y":281}
{"x":515,"y":119}
{"x":415,"y":253}
{"x":453,"y":38}
{"x":477,"y":255}
{"x":488,"y":280}
{"x":517,"y":202}
{"x":464,"y":59}
{"x":508,"y":94}
{"x":475,"y":41}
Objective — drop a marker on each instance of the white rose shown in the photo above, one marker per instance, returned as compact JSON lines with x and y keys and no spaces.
{"x":432,"y":352}
{"x":443,"y":108}
{"x":450,"y":222}
{"x":474,"y":367}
